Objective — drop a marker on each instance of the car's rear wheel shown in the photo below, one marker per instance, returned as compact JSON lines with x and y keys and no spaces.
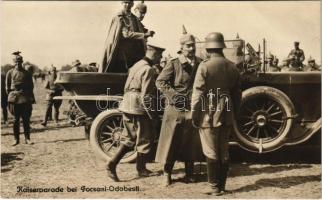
{"x":264,"y":120}
{"x":105,"y":135}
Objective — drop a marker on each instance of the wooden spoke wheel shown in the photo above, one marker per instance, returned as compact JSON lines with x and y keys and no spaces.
{"x":106,"y":135}
{"x":264,"y":119}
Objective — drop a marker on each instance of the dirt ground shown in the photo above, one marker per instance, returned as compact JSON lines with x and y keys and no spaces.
{"x":62,"y":157}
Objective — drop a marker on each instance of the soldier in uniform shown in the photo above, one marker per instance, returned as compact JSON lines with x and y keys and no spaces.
{"x":138,"y":114}
{"x":126,"y":41}
{"x":92,"y":67}
{"x":298,"y":54}
{"x":312,"y":66}
{"x":20,"y":97}
{"x":140,"y":10}
{"x":178,"y":139}
{"x":293,"y":64}
{"x":216,"y":95}
{"x":272,"y":65}
{"x":52,"y":91}
{"x":76,"y":66}
{"x":4,"y":98}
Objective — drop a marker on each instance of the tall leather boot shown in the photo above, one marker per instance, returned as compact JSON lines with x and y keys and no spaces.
{"x":167,"y":174}
{"x":47,"y":116}
{"x":189,"y":176}
{"x":213,"y":170}
{"x":16,"y":131}
{"x":111,"y":165}
{"x":223,"y":176}
{"x":141,"y":165}
{"x":56,"y":115}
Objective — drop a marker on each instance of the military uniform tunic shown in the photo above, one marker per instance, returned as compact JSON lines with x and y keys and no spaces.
{"x":52,"y":91}
{"x":216,"y":94}
{"x":20,"y":97}
{"x":299,"y":57}
{"x":178,"y":139}
{"x":137,"y":114}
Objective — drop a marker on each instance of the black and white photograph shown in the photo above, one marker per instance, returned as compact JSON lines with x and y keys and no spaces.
{"x":160,"y":99}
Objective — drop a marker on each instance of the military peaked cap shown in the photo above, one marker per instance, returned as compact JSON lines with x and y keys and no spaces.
{"x":155,"y":47}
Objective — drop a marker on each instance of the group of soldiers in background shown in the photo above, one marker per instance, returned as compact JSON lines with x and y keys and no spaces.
{"x":294,"y":62}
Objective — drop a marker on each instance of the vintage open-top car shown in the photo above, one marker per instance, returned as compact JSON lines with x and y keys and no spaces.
{"x":278,"y":108}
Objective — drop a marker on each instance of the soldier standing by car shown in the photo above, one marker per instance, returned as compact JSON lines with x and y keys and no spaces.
{"x":138,"y":113}
{"x":312,"y":65}
{"x":178,"y":139}
{"x":76,"y":66}
{"x":20,"y":97}
{"x":216,"y":95}
{"x":126,"y":41}
{"x":298,"y":55}
{"x":52,"y":91}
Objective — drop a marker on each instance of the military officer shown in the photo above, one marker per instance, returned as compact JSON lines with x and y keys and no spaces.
{"x":20,"y":97}
{"x":126,"y":41}
{"x":298,"y":54}
{"x":312,"y":66}
{"x":138,"y":114}
{"x":216,"y":95}
{"x":52,"y":90}
{"x":178,"y":139}
{"x":76,"y":66}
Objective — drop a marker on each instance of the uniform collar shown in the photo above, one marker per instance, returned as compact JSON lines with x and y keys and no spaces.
{"x":122,"y":13}
{"x":216,"y":55}
{"x":148,"y":60}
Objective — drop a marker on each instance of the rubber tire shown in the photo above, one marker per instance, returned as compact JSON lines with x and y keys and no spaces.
{"x":287,"y":105}
{"x":98,"y":121}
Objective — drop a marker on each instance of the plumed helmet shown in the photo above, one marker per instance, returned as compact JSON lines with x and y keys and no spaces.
{"x":215,"y":40}
{"x":238,"y":42}
{"x":186,"y":38}
{"x":17,"y":58}
{"x":141,"y":7}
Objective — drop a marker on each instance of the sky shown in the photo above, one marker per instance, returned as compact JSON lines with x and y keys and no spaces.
{"x":53,"y":32}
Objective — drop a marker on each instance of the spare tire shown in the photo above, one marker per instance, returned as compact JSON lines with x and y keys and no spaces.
{"x":105,"y":135}
{"x":265,"y":118}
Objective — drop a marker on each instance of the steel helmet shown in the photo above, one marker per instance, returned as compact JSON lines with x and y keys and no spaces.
{"x":215,"y":40}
